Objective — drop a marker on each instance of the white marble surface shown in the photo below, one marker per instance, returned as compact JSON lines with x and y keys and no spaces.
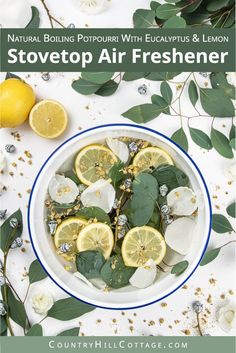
{"x":85,"y":112}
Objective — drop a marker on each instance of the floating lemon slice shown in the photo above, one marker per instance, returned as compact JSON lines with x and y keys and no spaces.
{"x":150,"y":158}
{"x":96,"y":236}
{"x":48,"y":119}
{"x":142,"y":244}
{"x":68,"y":232}
{"x":93,"y":163}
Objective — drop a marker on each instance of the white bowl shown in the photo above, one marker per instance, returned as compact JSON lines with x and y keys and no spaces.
{"x":127,"y":297}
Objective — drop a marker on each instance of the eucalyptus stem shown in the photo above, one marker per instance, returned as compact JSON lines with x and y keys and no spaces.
{"x":199,"y":324}
{"x":118,"y":210}
{"x":4,"y":294}
{"x":50,"y":16}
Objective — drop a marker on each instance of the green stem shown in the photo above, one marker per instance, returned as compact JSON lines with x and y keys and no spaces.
{"x":5,"y":299}
{"x":118,"y":210}
{"x":199,"y":324}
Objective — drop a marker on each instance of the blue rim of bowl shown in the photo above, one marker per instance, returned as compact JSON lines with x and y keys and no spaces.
{"x":142,"y":128}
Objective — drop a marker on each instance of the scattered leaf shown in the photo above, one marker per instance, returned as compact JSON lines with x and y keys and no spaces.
{"x":193,"y":93}
{"x":231,"y":210}
{"x":181,"y":139}
{"x":179,"y":268}
{"x":143,"y":18}
{"x":166,"y":11}
{"x":35,"y":330}
{"x":232,"y":143}
{"x":200,"y":138}
{"x":216,"y":103}
{"x":8,"y":234}
{"x":11,"y":75}
{"x":16,"y":308}
{"x":35,"y":19}
{"x":36,"y":272}
{"x":3,"y":324}
{"x":166,"y":92}
{"x":220,"y":224}
{"x":175,"y":22}
{"x":97,"y":77}
{"x":221,"y":144}
{"x":70,"y":333}
{"x":132,"y":76}
{"x":161,"y":104}
{"x":143,"y":113}
{"x":209,"y":256}
{"x":68,"y":309}
{"x":85,"y":87}
{"x":89,"y":263}
{"x":107,"y":89}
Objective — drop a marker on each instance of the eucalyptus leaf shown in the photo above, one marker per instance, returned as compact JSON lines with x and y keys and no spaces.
{"x":231,"y":210}
{"x":232,"y":143}
{"x":181,"y":139}
{"x":154,"y":5}
{"x":143,"y":113}
{"x":35,"y":330}
{"x":161,"y":76}
{"x":216,"y":103}
{"x":232,"y":133}
{"x":214,"y":5}
{"x":143,"y":18}
{"x":107,"y":89}
{"x":115,"y":274}
{"x":145,"y":193}
{"x":166,"y":92}
{"x":62,"y":207}
{"x":97,"y":77}
{"x":209,"y":256}
{"x":219,"y":81}
{"x":116,"y":174}
{"x":35,"y":19}
{"x":94,"y":212}
{"x":36,"y":272}
{"x":8,"y":234}
{"x":68,"y":309}
{"x":11,"y":75}
{"x":220,"y":224}
{"x":221,"y":144}
{"x":175,"y":22}
{"x":3,"y":324}
{"x":85,"y":87}
{"x":193,"y":93}
{"x":201,"y":138}
{"x":70,"y":333}
{"x":166,"y":11}
{"x":155,"y":220}
{"x":89,"y":263}
{"x":179,"y":268}
{"x":191,"y":6}
{"x":133,"y":76}
{"x":171,"y":176}
{"x":161,"y":103}
{"x":16,"y":309}
{"x":71,"y":175}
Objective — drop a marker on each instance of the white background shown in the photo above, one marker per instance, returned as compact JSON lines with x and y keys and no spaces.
{"x":85,"y":112}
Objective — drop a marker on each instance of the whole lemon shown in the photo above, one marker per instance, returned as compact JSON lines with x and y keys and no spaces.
{"x":16,"y":101}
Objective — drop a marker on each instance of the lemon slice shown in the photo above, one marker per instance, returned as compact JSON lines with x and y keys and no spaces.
{"x":150,"y":158}
{"x":67,"y":232}
{"x":96,"y":236}
{"x":93,"y":163}
{"x":48,"y":119}
{"x":142,"y":244}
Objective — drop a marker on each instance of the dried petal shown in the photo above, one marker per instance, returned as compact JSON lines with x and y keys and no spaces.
{"x":63,"y":190}
{"x":182,"y":201}
{"x":119,"y":148}
{"x":144,"y":276}
{"x":227,"y":317}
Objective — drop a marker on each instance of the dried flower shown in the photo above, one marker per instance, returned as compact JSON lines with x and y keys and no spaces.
{"x":165,"y":209}
{"x":71,"y":25}
{"x":163,"y":190}
{"x":142,"y":89}
{"x":122,"y":220}
{"x":65,"y":247}
{"x":52,"y":225}
{"x":133,"y":147}
{"x":10,"y":148}
{"x":14,"y":223}
{"x":197,"y":307}
{"x":3,"y":214}
{"x":128,"y":183}
{"x":17,"y":243}
{"x":2,"y":309}
{"x":42,"y":302}
{"x":168,"y":219}
{"x":2,"y":281}
{"x":46,"y":76}
{"x":227,"y":317}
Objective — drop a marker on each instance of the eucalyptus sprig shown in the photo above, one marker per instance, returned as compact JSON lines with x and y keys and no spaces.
{"x":13,"y":305}
{"x":186,"y":13}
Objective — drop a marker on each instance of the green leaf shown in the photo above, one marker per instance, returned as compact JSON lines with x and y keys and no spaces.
{"x":89,"y":263}
{"x":161,"y":76}
{"x":216,"y":103}
{"x":36,"y":272}
{"x":155,"y":220}
{"x":115,"y":274}
{"x":210,"y":256}
{"x":172,"y":1}
{"x":190,"y":8}
{"x":97,"y":77}
{"x":35,"y":330}
{"x":154,"y":5}
{"x":143,"y":113}
{"x":214,"y":5}
{"x":94,"y":212}
{"x":116,"y":174}
{"x":160,"y":102}
{"x":70,"y":333}
{"x":231,"y":210}
{"x":68,"y":309}
{"x":179,"y":268}
{"x":232,"y":143}
{"x":220,"y":224}
{"x":166,"y":11}
{"x":221,"y":144}
{"x":145,"y":192}
{"x":170,"y":175}
{"x":200,"y":138}
{"x":61,"y":207}
{"x":35,"y":19}
{"x":219,"y":81}
{"x":132,"y":76}
{"x":181,"y":139}
{"x":16,"y":309}
{"x":232,"y":134}
{"x":70,"y":174}
{"x":11,"y":75}
{"x":107,"y":89}
{"x":166,"y":92}
{"x":3,"y":324}
{"x":175,"y":22}
{"x":193,"y":93}
{"x":143,"y":18}
{"x":85,"y":87}
{"x":8,"y":234}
